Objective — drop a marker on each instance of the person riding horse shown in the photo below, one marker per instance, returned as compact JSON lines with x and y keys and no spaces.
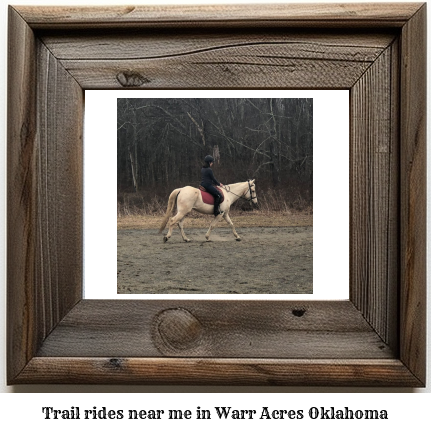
{"x":209,"y":181}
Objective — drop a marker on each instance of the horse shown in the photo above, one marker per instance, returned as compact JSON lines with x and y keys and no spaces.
{"x":189,"y":198}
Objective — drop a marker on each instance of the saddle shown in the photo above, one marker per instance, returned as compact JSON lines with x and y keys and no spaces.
{"x":207,"y":198}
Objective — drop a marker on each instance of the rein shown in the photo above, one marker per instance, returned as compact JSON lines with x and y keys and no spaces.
{"x":243,"y":195}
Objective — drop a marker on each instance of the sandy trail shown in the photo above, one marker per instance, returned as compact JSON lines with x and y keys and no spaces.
{"x":268,"y":260}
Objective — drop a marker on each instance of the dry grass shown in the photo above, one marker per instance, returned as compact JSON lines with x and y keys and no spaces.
{"x":152,"y":203}
{"x":240,"y":219}
{"x":145,"y":210}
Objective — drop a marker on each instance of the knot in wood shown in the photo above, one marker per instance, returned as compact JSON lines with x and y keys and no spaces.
{"x":131,"y":79}
{"x":115,"y":363}
{"x":178,"y":329}
{"x":298,"y":312}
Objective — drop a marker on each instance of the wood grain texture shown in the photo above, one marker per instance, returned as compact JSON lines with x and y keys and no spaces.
{"x":147,"y":44}
{"x":199,"y":61}
{"x":59,"y":182}
{"x":54,"y":336}
{"x":197,"y":371}
{"x":21,"y":197}
{"x":227,"y":72}
{"x":374,"y":195}
{"x":213,"y":60}
{"x":44,"y":193}
{"x":235,"y":329}
{"x":413,"y":194}
{"x":300,"y":14}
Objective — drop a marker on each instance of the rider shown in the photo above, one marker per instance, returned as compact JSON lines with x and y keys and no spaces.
{"x":208,"y":182}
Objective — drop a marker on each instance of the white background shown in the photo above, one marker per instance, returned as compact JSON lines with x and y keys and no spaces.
{"x":330,"y":191}
{"x":23,"y":409}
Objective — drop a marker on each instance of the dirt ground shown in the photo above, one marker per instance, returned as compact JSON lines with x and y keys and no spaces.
{"x":273,"y":259}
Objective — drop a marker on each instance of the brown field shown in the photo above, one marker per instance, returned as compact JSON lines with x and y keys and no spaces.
{"x":275,"y":256}
{"x":241,"y":220}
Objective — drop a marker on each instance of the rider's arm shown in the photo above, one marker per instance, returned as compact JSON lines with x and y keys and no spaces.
{"x":213,"y":178}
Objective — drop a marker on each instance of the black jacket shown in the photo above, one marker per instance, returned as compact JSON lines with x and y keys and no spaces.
{"x":208,"y":177}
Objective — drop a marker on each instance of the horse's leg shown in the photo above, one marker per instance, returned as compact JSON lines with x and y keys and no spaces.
{"x":172,"y":222}
{"x":181,"y":227}
{"x":212,"y":226}
{"x":186,"y":200}
{"x":229,"y":221}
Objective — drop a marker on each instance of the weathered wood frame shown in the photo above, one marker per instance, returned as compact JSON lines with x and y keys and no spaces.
{"x":377,"y":338}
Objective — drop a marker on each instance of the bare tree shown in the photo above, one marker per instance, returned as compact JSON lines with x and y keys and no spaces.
{"x":161,"y":142}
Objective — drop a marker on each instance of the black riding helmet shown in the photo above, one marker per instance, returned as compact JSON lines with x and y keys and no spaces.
{"x":208,"y":159}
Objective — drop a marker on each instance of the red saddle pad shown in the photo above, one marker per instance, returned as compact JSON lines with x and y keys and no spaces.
{"x":207,"y":198}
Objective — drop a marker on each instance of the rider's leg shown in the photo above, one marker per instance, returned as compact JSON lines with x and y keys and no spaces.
{"x":217,"y":200}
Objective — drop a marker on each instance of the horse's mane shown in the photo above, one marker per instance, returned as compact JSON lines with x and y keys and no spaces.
{"x":233,"y":184}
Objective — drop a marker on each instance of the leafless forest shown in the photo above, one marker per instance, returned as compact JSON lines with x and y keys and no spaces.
{"x":162,"y":142}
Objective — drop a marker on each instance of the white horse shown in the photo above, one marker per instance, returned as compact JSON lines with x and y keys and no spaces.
{"x":189,"y":198}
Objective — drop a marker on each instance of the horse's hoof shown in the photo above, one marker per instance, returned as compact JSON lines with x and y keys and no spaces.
{"x":165,"y":239}
{"x":238,"y":239}
{"x":187,"y":240}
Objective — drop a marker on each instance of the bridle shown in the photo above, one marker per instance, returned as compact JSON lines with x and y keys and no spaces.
{"x":251,"y":193}
{"x":243,"y":195}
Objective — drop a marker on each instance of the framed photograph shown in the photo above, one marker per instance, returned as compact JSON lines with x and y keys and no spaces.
{"x":170,"y":152}
{"x":279,"y":138}
{"x":376,"y":337}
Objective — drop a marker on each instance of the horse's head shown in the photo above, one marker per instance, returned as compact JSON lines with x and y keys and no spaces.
{"x":251,"y":193}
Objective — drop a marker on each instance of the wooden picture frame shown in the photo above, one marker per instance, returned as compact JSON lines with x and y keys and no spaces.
{"x":376,"y":338}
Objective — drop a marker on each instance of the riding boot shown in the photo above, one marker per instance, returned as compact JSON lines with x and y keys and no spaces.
{"x":217,"y":205}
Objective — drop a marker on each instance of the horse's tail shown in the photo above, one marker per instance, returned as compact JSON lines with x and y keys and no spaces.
{"x":171,"y":204}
